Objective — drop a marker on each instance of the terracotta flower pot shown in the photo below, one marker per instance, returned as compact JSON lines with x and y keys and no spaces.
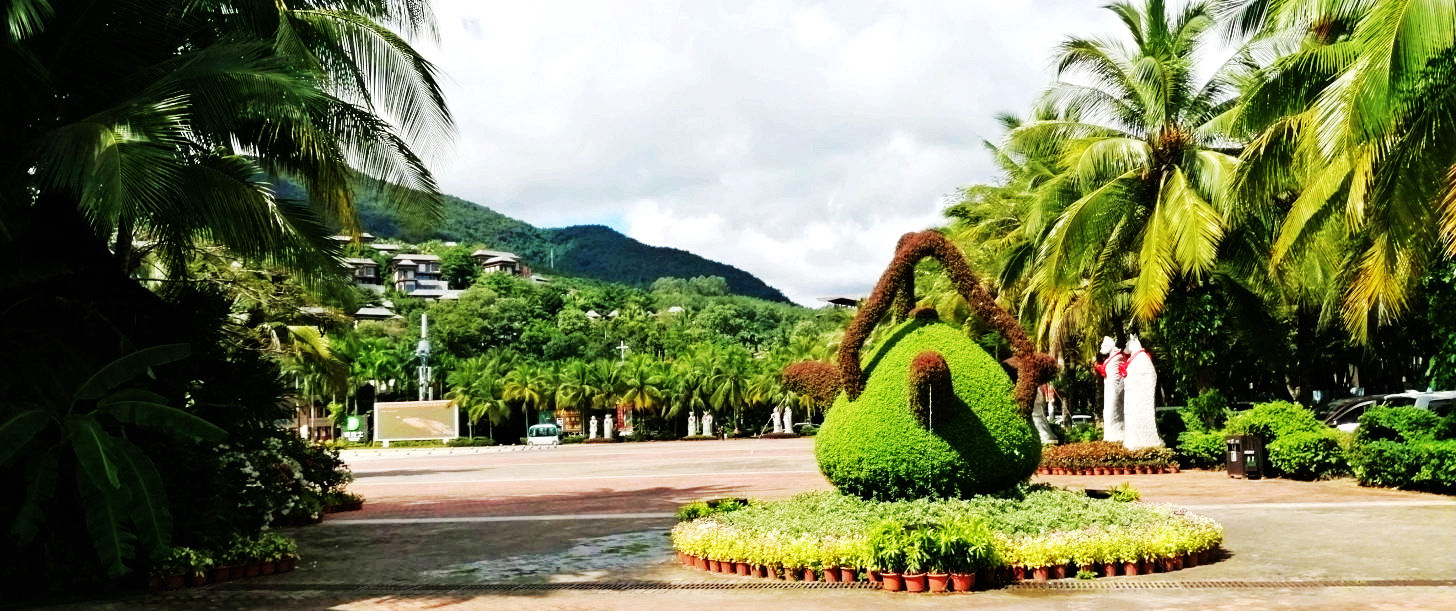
{"x":846,"y":575}
{"x":252,"y":569}
{"x":290,"y":563}
{"x":1190,"y":559}
{"x":1130,"y":568}
{"x":831,"y":574}
{"x":1041,"y":573}
{"x":1173,"y":467}
{"x":1143,"y":469}
{"x":741,"y":568}
{"x":713,"y":566}
{"x":962,"y":582}
{"x":914,"y":582}
{"x":197,"y":579}
{"x":154,"y":582}
{"x":221,"y":574}
{"x":891,"y":582}
{"x":808,"y":574}
{"x":1084,"y":567}
{"x":1018,"y":573}
{"x":1165,"y":564}
{"x":1059,"y":571}
{"x":1109,"y":569}
{"x":173,"y":582}
{"x":1177,"y":562}
{"x":700,"y":563}
{"x":267,"y":567}
{"x":937,"y":582}
{"x":758,"y":570}
{"x":873,"y":576}
{"x":1101,"y":471}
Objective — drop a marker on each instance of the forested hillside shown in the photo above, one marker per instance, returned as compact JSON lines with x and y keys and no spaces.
{"x":593,"y":251}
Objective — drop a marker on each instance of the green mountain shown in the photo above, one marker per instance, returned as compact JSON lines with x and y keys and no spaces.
{"x":592,"y":251}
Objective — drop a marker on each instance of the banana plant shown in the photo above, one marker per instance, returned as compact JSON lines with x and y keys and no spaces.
{"x":122,"y":495}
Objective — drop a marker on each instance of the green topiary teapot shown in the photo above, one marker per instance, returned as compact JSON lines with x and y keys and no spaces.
{"x":930,"y":414}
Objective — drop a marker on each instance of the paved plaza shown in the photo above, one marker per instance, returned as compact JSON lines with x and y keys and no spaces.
{"x":584,"y":527}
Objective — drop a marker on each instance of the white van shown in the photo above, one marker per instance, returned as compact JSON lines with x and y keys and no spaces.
{"x":543,"y":435}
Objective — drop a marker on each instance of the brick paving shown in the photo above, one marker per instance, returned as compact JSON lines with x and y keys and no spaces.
{"x":1276,"y":530}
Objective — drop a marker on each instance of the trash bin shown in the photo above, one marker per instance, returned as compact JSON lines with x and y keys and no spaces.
{"x":1234,"y":461}
{"x":1246,"y":457}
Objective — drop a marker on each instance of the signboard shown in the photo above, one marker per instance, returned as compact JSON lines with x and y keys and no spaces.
{"x":406,"y":420}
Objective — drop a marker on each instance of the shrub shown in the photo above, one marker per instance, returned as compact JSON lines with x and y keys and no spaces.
{"x":1273,"y":420}
{"x":1396,"y":424}
{"x":1079,"y":433}
{"x":1093,"y":454}
{"x":1202,"y":449}
{"x":1205,"y":413}
{"x":470,"y":442}
{"x":1308,"y":455}
{"x":874,"y":446}
{"x":1384,"y":463}
{"x":1124,"y":493}
{"x":1437,"y":466}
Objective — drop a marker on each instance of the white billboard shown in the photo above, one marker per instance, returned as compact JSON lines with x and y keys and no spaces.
{"x":407,"y":420}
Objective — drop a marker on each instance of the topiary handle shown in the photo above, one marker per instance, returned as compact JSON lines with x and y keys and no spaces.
{"x":897,"y":287}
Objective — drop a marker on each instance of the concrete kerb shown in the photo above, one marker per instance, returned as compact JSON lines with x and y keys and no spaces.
{"x":348,"y":455}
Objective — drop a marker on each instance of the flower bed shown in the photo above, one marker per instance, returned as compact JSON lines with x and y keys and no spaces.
{"x":1043,"y":534}
{"x":1104,"y":458}
{"x":268,"y":554}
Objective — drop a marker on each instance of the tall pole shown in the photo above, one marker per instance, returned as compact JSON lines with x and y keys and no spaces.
{"x":423,"y":351}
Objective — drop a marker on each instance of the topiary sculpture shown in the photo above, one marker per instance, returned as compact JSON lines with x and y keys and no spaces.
{"x":930,"y":414}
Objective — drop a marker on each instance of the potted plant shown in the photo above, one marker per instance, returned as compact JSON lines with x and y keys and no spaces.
{"x":169,"y":572}
{"x":917,"y":543}
{"x":199,"y":563}
{"x":887,"y":554}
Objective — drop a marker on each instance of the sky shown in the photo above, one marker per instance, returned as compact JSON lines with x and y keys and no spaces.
{"x":794,"y":140}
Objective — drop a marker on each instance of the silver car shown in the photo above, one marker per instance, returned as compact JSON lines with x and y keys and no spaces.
{"x":1347,"y":417}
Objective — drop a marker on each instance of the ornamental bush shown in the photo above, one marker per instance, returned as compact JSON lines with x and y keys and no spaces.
{"x":1397,"y":424}
{"x":1093,"y":454}
{"x":1273,"y":420}
{"x":976,"y":440}
{"x":1384,"y":463}
{"x":1308,"y":455}
{"x":1202,"y":449}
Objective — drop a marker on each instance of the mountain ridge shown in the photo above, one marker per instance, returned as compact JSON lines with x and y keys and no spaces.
{"x":593,"y":251}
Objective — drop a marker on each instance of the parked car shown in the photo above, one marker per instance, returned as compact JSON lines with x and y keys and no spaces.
{"x":1344,"y":414}
{"x":543,"y":435}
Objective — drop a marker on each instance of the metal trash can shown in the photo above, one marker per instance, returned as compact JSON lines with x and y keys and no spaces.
{"x":1246,"y":458}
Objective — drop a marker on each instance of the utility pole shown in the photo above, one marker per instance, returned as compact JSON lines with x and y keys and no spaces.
{"x":622,"y":347}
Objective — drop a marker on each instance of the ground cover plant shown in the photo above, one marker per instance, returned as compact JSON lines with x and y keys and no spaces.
{"x":1034,"y":527}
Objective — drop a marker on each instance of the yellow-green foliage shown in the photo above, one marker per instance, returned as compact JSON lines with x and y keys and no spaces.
{"x":875,"y":448}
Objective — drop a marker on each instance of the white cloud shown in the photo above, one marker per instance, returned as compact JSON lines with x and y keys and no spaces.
{"x":796,"y":140}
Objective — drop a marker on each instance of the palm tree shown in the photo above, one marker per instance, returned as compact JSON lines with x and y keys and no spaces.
{"x":642,"y":384}
{"x":475,"y":385}
{"x":575,"y":390}
{"x":1350,"y":130}
{"x":687,"y":389}
{"x":1138,"y":194}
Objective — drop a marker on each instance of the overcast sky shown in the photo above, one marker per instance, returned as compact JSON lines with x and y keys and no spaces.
{"x":795,"y":140}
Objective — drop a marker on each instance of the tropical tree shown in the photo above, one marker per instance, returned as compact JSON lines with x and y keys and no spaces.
{"x":642,"y":385}
{"x":576,"y":390}
{"x":475,"y":385}
{"x":1138,"y":189}
{"x":1350,"y":130}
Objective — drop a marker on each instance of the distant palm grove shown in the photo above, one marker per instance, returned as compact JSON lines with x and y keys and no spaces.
{"x":1275,"y":225}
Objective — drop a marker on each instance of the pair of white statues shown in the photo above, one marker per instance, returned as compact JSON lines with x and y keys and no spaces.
{"x":1129,"y":384}
{"x":783,"y":419}
{"x":608,"y":430}
{"x":707,"y":422}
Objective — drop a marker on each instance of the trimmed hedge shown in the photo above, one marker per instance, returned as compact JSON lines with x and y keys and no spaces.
{"x":1273,"y":420}
{"x":874,"y":447}
{"x":1402,"y":447}
{"x":1045,"y":527}
{"x":1308,"y":455}
{"x":1094,"y":454}
{"x":1202,"y":449}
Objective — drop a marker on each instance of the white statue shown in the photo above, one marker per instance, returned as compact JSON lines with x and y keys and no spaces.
{"x":1140,"y":427}
{"x":777,"y":419}
{"x":1039,"y":418}
{"x":692,"y":424}
{"x":592,"y":427}
{"x":607,"y":429}
{"x":707,"y":423}
{"x":1110,"y":370}
{"x":788,"y":419}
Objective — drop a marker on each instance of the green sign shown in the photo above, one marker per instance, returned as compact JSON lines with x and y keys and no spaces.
{"x":352,"y":423}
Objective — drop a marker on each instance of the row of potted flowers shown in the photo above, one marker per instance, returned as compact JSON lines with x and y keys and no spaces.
{"x":1093,"y":455}
{"x":182,"y":566}
{"x":948,"y":582}
{"x":1138,"y":470}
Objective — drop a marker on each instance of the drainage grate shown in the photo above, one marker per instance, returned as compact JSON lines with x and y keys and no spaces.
{"x":1069,"y":585}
